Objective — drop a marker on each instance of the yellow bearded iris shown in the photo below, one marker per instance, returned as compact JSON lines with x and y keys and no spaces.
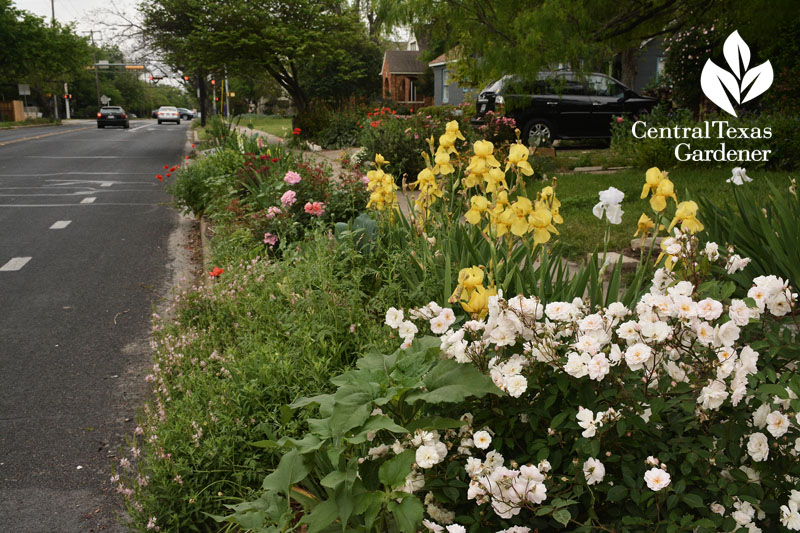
{"x":471,"y":294}
{"x":495,"y":180}
{"x":518,"y":157}
{"x":644,"y":225}
{"x":380,"y":161}
{"x":686,"y":214}
{"x":665,"y":189}
{"x":443,"y":165}
{"x":478,"y":205}
{"x":381,"y":187}
{"x":541,"y":222}
{"x":652,"y":178}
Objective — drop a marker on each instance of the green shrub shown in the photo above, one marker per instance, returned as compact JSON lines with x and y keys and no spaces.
{"x":260,"y":336}
{"x":197,"y":186}
{"x":342,"y":131}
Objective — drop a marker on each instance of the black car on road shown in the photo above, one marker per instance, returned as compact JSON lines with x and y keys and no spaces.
{"x":112,"y":116}
{"x":561,"y":105}
{"x":186,"y":114}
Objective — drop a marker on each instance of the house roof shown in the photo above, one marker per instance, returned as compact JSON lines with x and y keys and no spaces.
{"x":450,"y":56}
{"x":403,"y":62}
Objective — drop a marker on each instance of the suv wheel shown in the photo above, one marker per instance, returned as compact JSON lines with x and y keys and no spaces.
{"x":537,"y":130}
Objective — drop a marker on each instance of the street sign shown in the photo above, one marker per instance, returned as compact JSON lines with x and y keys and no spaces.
{"x":24,"y":89}
{"x":105,"y":100}
{"x":102,"y":63}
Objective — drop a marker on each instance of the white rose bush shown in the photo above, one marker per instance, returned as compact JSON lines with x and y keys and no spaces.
{"x":675,"y":410}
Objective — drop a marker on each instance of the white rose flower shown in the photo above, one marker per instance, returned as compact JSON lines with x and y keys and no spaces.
{"x":779,"y":305}
{"x":717,"y":508}
{"x":439,"y":325}
{"x":598,"y":367}
{"x":726,"y":334}
{"x":736,"y":263}
{"x":629,"y":331}
{"x":407,"y":330}
{"x":482,"y":439}
{"x":705,"y":333}
{"x":516,"y":385}
{"x":794,"y":496}
{"x":577,"y":364}
{"x":790,"y":518}
{"x":712,"y":395}
{"x":432,"y":526}
{"x":656,"y":479}
{"x":712,"y":251}
{"x":744,"y":513}
{"x":589,"y":423}
{"x":394,"y":317}
{"x":758,"y":447}
{"x":760,"y":415}
{"x":427,"y":456}
{"x":709,"y":309}
{"x":777,"y":424}
{"x":593,"y":471}
{"x":637,"y":355}
{"x":739,"y":312}
{"x":493,"y":460}
{"x":455,"y":528}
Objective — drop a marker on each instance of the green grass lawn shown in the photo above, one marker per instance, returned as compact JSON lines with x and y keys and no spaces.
{"x":279,"y":126}
{"x":578,"y":192}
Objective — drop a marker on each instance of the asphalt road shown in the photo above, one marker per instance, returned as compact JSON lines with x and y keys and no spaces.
{"x":87,"y":249}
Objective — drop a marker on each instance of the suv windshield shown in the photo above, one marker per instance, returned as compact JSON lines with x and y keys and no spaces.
{"x":111,"y":108}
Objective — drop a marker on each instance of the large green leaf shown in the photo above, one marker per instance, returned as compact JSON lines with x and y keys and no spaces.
{"x":407,"y":513}
{"x":291,"y":469}
{"x":450,"y":382}
{"x":393,"y":472}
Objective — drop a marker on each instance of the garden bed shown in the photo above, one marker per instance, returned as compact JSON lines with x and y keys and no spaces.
{"x":467,"y":392}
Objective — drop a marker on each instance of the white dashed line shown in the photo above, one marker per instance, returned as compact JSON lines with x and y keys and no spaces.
{"x":61,"y":224}
{"x":15,"y":264}
{"x":106,"y":184}
{"x":89,"y":200}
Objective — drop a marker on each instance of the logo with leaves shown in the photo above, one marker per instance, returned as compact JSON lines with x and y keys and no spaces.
{"x":740,"y":84}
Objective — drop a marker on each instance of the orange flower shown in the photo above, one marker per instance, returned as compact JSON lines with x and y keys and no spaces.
{"x":216,"y":272}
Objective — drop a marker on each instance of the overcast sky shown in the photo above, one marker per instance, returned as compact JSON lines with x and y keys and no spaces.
{"x":85,"y":13}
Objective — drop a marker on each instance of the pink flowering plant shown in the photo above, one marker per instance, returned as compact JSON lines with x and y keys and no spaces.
{"x":283,"y":201}
{"x":676,"y":411}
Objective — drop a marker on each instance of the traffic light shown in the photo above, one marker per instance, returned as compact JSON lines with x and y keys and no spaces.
{"x":213,"y":82}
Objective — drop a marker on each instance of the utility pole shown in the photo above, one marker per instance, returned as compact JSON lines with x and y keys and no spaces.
{"x":53,"y":24}
{"x":227,"y":98}
{"x":66,"y":100}
{"x":94,"y":59}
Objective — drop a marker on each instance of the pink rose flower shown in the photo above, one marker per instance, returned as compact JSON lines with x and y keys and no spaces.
{"x":288,"y":198}
{"x":314,"y":208}
{"x":270,"y":239}
{"x":273,"y":211}
{"x":292,"y":178}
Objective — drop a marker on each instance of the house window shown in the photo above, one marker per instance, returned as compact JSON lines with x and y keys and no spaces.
{"x":445,"y":89}
{"x":412,"y":91}
{"x":660,"y":66}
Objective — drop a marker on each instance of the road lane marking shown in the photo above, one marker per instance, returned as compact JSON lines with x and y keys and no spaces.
{"x":76,"y":174}
{"x":104,"y":204}
{"x":140,"y":127}
{"x":12,"y":141}
{"x":61,"y":224}
{"x":106,"y":184}
{"x":15,"y":264}
{"x":89,"y":200}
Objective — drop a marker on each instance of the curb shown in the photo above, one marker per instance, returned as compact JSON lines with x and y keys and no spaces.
{"x":205,"y":243}
{"x":22,"y":127}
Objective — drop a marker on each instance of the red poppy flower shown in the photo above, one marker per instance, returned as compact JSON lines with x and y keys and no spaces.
{"x":166,"y":167}
{"x":187,"y":157}
{"x":192,"y":145}
{"x":216,"y":272}
{"x":275,"y":159}
{"x":168,"y":174}
{"x":263,"y":157}
{"x":159,"y":177}
{"x":173,"y":168}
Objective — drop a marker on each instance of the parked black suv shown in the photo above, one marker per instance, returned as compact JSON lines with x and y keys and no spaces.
{"x":561,"y":105}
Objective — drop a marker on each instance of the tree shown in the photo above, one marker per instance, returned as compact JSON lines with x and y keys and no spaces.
{"x":38,"y":53}
{"x":280,"y":37}
{"x":523,"y":37}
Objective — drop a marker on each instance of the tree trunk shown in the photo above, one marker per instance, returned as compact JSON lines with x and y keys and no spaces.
{"x":201,"y":81}
{"x":629,"y":65}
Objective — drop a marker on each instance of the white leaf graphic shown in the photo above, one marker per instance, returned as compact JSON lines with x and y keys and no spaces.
{"x":735,"y":48}
{"x":760,"y":77}
{"x":714,"y":80}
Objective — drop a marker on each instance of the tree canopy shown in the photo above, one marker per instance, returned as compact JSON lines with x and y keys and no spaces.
{"x":294,"y":41}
